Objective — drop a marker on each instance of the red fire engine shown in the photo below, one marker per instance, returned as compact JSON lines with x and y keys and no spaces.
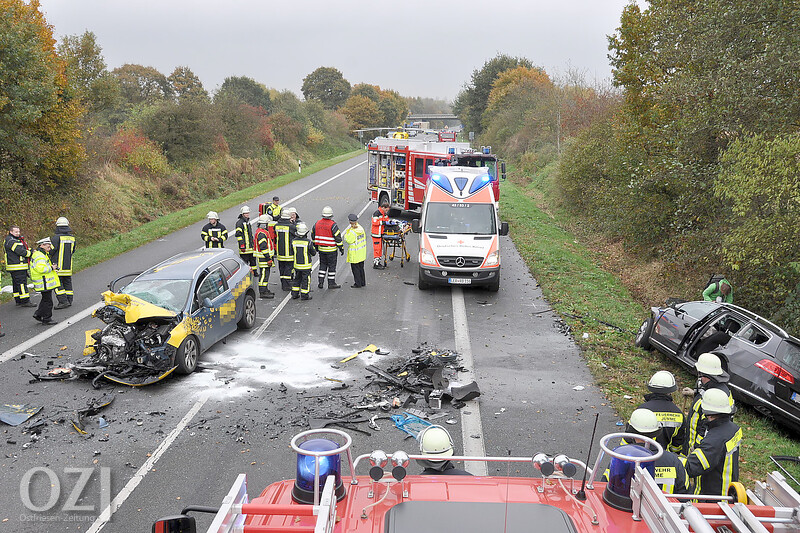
{"x":399,"y":169}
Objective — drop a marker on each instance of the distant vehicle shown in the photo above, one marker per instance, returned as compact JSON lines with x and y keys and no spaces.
{"x":164,"y":318}
{"x":459,"y":230}
{"x":762,"y":359}
{"x":398,"y":169}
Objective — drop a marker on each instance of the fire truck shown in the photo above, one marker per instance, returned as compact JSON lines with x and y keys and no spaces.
{"x":399,"y":169}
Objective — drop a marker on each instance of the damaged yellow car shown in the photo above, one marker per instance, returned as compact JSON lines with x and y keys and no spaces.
{"x":164,"y":318}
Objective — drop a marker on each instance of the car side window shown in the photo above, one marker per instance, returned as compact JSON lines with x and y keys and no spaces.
{"x":754,"y":335}
{"x":232,"y":266}
{"x":212,"y":286}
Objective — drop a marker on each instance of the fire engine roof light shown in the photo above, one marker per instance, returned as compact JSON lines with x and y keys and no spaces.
{"x":329,"y":465}
{"x":451,"y":150}
{"x":618,"y":490}
{"x":487,"y":149}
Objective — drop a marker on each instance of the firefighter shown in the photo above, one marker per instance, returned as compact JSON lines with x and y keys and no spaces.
{"x":380,"y":216}
{"x":356,"y":239}
{"x":714,"y":462}
{"x":303,"y":250}
{"x":214,"y":233}
{"x":284,"y":230}
{"x":244,"y":234}
{"x":45,"y":280}
{"x":710,"y":376}
{"x":264,"y":256}
{"x":61,"y":257}
{"x":435,"y":440}
{"x":327,"y":239}
{"x":274,"y":209}
{"x":670,"y":473}
{"x":670,"y":417}
{"x":17,"y":254}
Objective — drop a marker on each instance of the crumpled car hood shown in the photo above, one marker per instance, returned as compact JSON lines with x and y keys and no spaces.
{"x":135,"y":308}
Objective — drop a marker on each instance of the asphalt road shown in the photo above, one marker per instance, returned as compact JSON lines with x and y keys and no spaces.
{"x":184,"y":440}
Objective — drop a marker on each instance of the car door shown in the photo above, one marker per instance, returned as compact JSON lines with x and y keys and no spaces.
{"x":206,"y":321}
{"x":671,"y":327}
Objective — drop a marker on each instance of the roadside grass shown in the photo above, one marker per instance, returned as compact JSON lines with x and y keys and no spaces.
{"x":97,"y":253}
{"x":593,"y":301}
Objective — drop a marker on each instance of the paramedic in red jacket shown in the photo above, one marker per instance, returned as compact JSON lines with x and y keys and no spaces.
{"x":379,"y":217}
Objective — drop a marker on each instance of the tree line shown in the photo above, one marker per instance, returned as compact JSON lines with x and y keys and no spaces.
{"x":692,"y":157}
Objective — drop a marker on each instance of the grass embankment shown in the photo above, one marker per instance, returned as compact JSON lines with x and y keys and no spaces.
{"x":584,"y":294}
{"x":166,"y":224}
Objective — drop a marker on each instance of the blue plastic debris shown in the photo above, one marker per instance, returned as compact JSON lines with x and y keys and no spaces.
{"x":410,"y":424}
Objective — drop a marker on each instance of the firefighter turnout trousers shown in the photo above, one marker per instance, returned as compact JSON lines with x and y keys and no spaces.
{"x":284,"y":253}
{"x":263,"y":254}
{"x":301,"y":283}
{"x":61,"y":257}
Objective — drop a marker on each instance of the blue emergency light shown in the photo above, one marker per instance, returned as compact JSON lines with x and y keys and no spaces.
{"x":479,"y":183}
{"x":442,"y":182}
{"x":451,"y":150}
{"x":621,"y":472}
{"x":309,"y":466}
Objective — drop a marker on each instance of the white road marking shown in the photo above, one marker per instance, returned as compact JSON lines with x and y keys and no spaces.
{"x":471,"y":414}
{"x":49,"y":332}
{"x":127,"y":490}
{"x":315,"y":187}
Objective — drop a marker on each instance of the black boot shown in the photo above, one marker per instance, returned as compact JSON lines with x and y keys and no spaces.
{"x":295,"y":295}
{"x":268,"y":295}
{"x":305,"y":297}
{"x":334,"y":285}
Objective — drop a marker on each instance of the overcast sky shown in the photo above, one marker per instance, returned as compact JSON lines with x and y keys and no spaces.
{"x":416,"y":47}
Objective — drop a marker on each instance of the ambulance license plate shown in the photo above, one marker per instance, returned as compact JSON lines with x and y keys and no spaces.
{"x":460,"y":281}
{"x":796,"y":397}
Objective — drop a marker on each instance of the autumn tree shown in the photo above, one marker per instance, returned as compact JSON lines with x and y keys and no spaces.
{"x":327,"y":85}
{"x":245,"y":90}
{"x":362,"y":112}
{"x":140,"y":84}
{"x":39,"y":133}
{"x":185,"y":130}
{"x":471,"y":102}
{"x":373,"y":92}
{"x":393,"y":107}
{"x":186,"y":84}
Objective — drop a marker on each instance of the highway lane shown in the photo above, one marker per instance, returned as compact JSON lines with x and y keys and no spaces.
{"x":253,"y":393}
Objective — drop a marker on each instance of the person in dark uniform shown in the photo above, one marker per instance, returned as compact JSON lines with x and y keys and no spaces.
{"x":61,"y":256}
{"x":303,"y":250}
{"x":214,"y":233}
{"x":244,"y":235}
{"x":284,"y":231}
{"x":714,"y":462}
{"x":670,"y":417}
{"x":17,"y":254}
{"x":45,"y":280}
{"x":710,"y":376}
{"x":435,"y":440}
{"x":264,"y":256}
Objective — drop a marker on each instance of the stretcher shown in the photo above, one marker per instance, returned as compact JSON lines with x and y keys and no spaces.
{"x":394,"y":240}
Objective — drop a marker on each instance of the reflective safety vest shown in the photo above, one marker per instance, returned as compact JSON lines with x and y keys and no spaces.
{"x":244,"y":234}
{"x":356,"y":239}
{"x":16,"y":253}
{"x":696,"y":420}
{"x":303,"y":250}
{"x":61,"y":254}
{"x":263,"y":248}
{"x":219,"y":231}
{"x":274,"y":210}
{"x":283,"y":241}
{"x":326,"y":236}
{"x":42,"y":273}
{"x":378,"y":218}
{"x":715,"y":461}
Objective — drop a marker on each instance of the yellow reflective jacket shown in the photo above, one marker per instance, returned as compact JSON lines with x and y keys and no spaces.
{"x":356,"y":239}
{"x":42,"y":273}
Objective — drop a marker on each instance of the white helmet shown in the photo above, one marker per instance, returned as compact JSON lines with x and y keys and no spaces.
{"x":709,"y":364}
{"x":716,"y":402}
{"x":644,"y":421}
{"x":244,"y":209}
{"x":289,"y":211}
{"x":263,"y":219}
{"x":662,"y":381}
{"x":327,"y":211}
{"x":62,"y":221}
{"x":435,"y":440}
{"x":46,"y":240}
{"x":301,"y":229}
{"x":212,"y":214}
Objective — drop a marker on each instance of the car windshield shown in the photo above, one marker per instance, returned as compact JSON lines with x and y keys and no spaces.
{"x":171,"y":294}
{"x":697,"y":310}
{"x":789,"y":353}
{"x":461,"y":218}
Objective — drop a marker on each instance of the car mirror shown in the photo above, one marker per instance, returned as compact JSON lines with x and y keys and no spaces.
{"x":503,"y":169}
{"x":504,"y":228}
{"x":207,"y":303}
{"x":415,"y":225}
{"x":175,"y":524}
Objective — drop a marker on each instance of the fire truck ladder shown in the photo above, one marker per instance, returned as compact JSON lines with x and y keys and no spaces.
{"x":775,"y":506}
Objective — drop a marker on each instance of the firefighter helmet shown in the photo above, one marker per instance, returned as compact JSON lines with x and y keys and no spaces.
{"x":327,"y":211}
{"x":212,"y":214}
{"x":263,"y":219}
{"x":62,"y":221}
{"x":716,"y":402}
{"x":709,"y":364}
{"x":289,"y":211}
{"x":644,"y":422}
{"x":244,"y":209}
{"x":301,"y":229}
{"x":46,"y":240}
{"x":435,"y":440}
{"x":662,"y":381}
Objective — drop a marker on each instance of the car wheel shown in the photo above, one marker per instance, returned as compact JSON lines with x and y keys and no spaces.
{"x":248,"y":319}
{"x":494,"y":286}
{"x":643,"y":335}
{"x":186,"y":356}
{"x":421,"y":283}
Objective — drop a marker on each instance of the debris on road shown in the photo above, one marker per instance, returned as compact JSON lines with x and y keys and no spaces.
{"x":16,"y":414}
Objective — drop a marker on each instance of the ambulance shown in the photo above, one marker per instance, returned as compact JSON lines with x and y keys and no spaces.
{"x":460,"y":229}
